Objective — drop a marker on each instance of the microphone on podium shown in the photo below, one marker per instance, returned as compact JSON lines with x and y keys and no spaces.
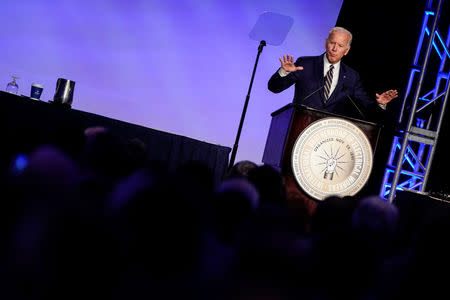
{"x":312,"y":93}
{"x":357,"y":108}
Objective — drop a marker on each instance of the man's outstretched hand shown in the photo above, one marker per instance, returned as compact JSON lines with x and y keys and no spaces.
{"x":386,"y":97}
{"x":287,"y":63}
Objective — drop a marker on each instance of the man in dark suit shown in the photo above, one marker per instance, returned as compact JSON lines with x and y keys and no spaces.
{"x":325,"y":83}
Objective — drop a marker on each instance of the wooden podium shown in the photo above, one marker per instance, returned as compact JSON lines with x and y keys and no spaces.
{"x":287,"y":126}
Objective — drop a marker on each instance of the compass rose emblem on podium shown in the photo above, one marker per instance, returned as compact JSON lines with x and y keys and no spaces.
{"x":332,"y":156}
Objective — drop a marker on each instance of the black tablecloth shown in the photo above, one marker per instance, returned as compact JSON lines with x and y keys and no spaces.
{"x":29,"y":123}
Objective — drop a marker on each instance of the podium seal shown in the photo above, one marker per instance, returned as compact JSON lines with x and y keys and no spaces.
{"x":332,"y":156}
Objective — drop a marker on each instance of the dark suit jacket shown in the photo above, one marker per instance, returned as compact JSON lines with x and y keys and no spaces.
{"x":309,"y":90}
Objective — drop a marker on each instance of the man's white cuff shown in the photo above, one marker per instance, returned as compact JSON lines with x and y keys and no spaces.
{"x":282,"y":72}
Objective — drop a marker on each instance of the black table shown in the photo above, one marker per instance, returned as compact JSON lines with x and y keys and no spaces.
{"x":29,"y":123}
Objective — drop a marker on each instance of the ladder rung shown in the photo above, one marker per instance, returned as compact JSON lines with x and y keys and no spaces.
{"x":425,"y":132}
{"x":421,"y":139}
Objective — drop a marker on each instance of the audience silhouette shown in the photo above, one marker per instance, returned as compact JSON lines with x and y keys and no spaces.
{"x":97,"y":218}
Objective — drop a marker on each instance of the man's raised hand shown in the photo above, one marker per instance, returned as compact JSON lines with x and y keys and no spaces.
{"x":287,"y":63}
{"x":386,"y":97}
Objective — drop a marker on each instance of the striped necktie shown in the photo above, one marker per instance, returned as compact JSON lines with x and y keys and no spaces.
{"x":328,"y":80}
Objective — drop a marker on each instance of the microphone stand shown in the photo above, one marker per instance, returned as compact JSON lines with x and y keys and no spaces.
{"x":307,"y":97}
{"x":244,"y":111}
{"x":354,"y":104}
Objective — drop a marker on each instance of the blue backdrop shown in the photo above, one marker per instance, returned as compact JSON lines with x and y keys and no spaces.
{"x":181,"y":66}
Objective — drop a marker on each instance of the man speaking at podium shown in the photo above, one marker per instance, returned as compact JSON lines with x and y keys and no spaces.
{"x":325,"y":83}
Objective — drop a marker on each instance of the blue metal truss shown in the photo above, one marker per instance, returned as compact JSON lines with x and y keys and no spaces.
{"x":412,"y":150}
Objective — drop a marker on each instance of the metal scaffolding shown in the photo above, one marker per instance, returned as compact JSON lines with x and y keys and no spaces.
{"x":413,"y":147}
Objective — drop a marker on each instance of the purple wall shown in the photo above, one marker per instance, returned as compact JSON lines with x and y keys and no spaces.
{"x":174,"y":65}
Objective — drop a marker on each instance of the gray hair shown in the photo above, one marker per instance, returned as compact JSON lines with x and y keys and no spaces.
{"x":342,"y":30}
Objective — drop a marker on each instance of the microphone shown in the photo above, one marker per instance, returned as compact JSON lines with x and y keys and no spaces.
{"x":308,"y":96}
{"x":357,"y":108}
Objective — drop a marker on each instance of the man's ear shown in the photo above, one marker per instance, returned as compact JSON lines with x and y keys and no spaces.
{"x":348,"y":49}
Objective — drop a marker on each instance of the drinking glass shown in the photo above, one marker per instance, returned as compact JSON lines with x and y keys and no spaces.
{"x":12,"y":87}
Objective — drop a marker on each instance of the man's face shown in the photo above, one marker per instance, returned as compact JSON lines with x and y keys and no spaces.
{"x":337,"y":46}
